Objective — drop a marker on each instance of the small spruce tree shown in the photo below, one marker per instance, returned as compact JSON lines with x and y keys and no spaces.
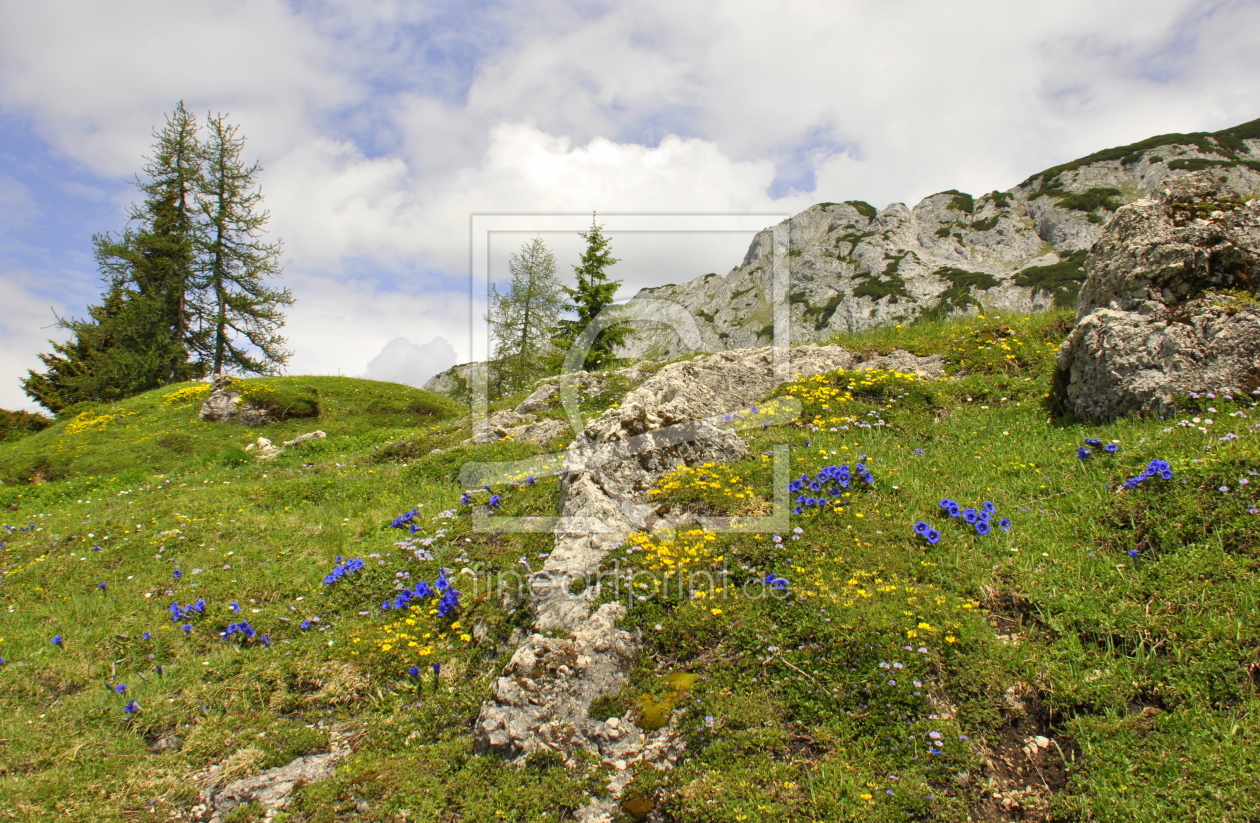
{"x":592,"y":294}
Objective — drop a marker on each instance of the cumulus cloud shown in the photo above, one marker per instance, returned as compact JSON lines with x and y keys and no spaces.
{"x":402,"y":361}
{"x":383,"y":125}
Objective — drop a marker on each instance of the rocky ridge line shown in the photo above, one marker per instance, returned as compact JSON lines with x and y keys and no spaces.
{"x":542,"y":700}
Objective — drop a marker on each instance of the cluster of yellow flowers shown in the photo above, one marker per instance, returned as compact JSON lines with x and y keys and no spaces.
{"x":415,"y":634}
{"x":185,"y":396}
{"x":710,"y":482}
{"x":87,"y":421}
{"x":843,"y":386}
{"x":683,"y":551}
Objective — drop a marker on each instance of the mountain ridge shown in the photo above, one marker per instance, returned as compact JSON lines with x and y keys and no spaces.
{"x":854,"y":266}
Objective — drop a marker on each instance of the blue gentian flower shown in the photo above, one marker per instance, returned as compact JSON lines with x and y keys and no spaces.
{"x":954,"y":510}
{"x":970,"y":516}
{"x":494,"y":501}
{"x":187,"y":628}
{"x":982,"y":527}
{"x":58,"y":641}
{"x":234,"y":606}
{"x":305,"y":624}
{"x":1111,"y":448}
{"x":177,"y":574}
{"x":120,"y":688}
{"x":132,"y":707}
{"x":947,"y":503}
{"x":797,"y":510}
{"x":1083,"y":453}
{"x":933,"y":536}
{"x":265,"y":640}
{"x":414,"y":671}
{"x":1093,"y":443}
{"x":1133,"y":553}
{"x":531,"y":480}
{"x":100,"y":586}
{"x":988,"y":506}
{"x":921,"y":528}
{"x":1004,"y":524}
{"x":147,"y":636}
{"x":437,"y":669}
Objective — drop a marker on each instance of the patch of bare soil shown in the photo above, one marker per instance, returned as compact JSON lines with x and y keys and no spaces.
{"x":1026,"y":765}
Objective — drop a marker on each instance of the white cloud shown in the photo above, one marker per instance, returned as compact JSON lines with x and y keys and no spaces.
{"x":26,"y":324}
{"x":402,"y":361}
{"x":383,"y":125}
{"x":338,"y":325}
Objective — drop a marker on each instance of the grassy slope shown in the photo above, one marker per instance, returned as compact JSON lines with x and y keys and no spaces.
{"x":1138,"y":668}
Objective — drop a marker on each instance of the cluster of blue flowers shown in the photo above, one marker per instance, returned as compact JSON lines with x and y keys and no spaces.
{"x":495,"y":500}
{"x":186,"y":611}
{"x":29,"y":527}
{"x":1156,"y":468}
{"x":342,"y":569}
{"x":243,"y":628}
{"x":448,"y":596}
{"x":407,"y":520}
{"x":1083,"y":452}
{"x":776,"y":582}
{"x":829,"y":484}
{"x":928,"y":533}
{"x":979,"y":519}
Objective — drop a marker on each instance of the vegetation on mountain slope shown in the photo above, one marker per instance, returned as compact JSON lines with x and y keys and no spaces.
{"x":877,"y":675}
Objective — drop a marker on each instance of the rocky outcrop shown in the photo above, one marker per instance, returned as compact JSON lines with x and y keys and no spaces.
{"x":271,"y":788}
{"x":456,"y":382}
{"x":542,"y":701}
{"x":266,"y":450}
{"x":852,"y":266}
{"x":224,"y":405}
{"x":1171,"y":304}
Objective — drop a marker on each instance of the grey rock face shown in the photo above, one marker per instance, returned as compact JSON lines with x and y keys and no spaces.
{"x":852,"y":267}
{"x":224,"y":405}
{"x":543,"y":699}
{"x":1170,"y":305}
{"x":455,"y":381}
{"x":273,"y":787}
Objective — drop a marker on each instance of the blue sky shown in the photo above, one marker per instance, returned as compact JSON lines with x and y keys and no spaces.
{"x":382,"y":125}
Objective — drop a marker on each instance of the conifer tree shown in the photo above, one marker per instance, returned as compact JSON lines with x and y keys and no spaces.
{"x":184,"y":283}
{"x":592,"y":294}
{"x":158,"y":258}
{"x":235,"y":304}
{"x":521,"y":318}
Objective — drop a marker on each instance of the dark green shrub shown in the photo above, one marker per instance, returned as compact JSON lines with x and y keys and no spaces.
{"x":16,"y":424}
{"x":961,"y":201}
{"x":863,"y":208}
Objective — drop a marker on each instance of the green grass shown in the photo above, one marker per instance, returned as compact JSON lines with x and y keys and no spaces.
{"x":1143,"y":671}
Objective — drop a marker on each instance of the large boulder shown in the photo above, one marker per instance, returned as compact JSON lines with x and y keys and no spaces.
{"x":1170,"y":304}
{"x":225,"y":405}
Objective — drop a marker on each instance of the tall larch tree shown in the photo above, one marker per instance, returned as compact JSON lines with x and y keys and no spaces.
{"x":241,"y":313}
{"x":521,"y":318}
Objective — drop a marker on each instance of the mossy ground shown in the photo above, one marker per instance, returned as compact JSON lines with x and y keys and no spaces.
{"x":1142,"y":669}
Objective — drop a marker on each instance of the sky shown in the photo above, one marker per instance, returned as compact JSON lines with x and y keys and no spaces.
{"x":383,"y":126}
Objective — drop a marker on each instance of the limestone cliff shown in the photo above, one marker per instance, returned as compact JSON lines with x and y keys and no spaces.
{"x":852,"y":266}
